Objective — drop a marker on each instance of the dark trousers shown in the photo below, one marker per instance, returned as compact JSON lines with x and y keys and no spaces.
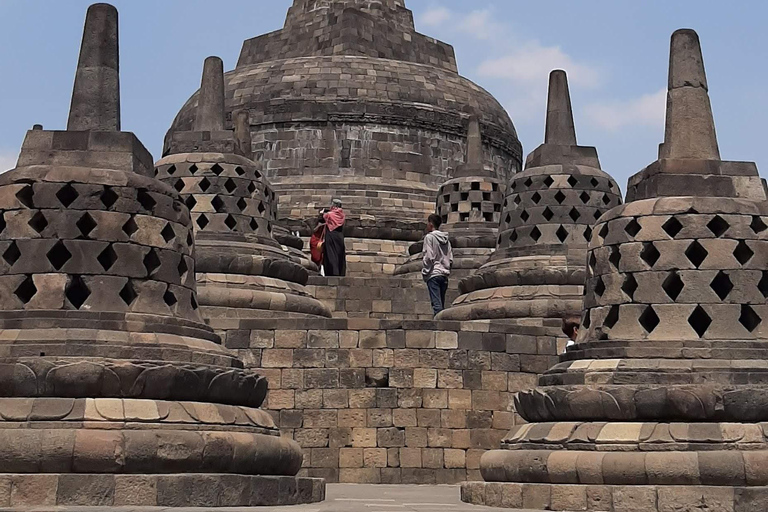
{"x":334,"y":254}
{"x":437,"y":287}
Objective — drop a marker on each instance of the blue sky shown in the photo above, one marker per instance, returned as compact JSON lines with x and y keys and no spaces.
{"x":615,"y":51}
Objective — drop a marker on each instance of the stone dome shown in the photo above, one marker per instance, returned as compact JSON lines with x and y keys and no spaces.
{"x":362,"y":107}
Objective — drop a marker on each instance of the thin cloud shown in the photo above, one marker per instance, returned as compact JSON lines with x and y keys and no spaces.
{"x":480,"y":24}
{"x":646,"y":110}
{"x":7,"y":160}
{"x":435,"y":16}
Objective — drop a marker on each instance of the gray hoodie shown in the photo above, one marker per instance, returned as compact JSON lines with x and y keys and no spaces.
{"x":438,"y":256}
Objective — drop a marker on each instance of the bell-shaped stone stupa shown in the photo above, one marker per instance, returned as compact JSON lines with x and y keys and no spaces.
{"x":241,"y":270}
{"x":537,"y":270}
{"x":661,"y":405}
{"x":114,"y":391}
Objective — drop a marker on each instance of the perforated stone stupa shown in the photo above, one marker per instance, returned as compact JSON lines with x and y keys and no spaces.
{"x":537,"y":270}
{"x":662,"y":403}
{"x":114,"y":391}
{"x":349,"y":101}
{"x":242,"y":270}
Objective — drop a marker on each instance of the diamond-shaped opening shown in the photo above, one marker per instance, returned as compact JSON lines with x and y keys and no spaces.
{"x":145,"y":199}
{"x":528,"y":182}
{"x":606,"y":199}
{"x":151,"y":262}
{"x":763,"y":284}
{"x":560,"y":197}
{"x":721,"y":285}
{"x":2,"y":222}
{"x":584,"y":197}
{"x":230,"y":222}
{"x":548,"y":181}
{"x":547,"y":213}
{"x":59,"y":255}
{"x":749,"y":318}
{"x":743,"y":253}
{"x":699,"y":321}
{"x":536,"y":197}
{"x":599,"y":287}
{"x":757,"y":224}
{"x":218,"y":204}
{"x":107,"y":258}
{"x":562,"y":234}
{"x":190,"y":201}
{"x":633,"y":228}
{"x":650,"y":254}
{"x":511,"y":187}
{"x":517,"y":199}
{"x":261,"y":207}
{"x":204,"y":184}
{"x":86,"y":224}
{"x":179,"y":185}
{"x":615,"y":257}
{"x":594,"y":182}
{"x":673,"y":285}
{"x":230,"y":185}
{"x":25,"y":196}
{"x":12,"y":254}
{"x":239,"y":170}
{"x":190,"y":240}
{"x":251,"y":187}
{"x":672,"y":227}
{"x":535,"y":234}
{"x":38,"y":222}
{"x":67,"y":195}
{"x":253,"y":224}
{"x":193,"y":169}
{"x":592,"y":261}
{"x":629,"y":286}
{"x":171,"y":170}
{"x":588,"y":234}
{"x":513,"y":236}
{"x":574,"y":214}
{"x":612,"y":318}
{"x":77,"y":292}
{"x":587,"y":320}
{"x":182,"y":268}
{"x":572,"y":181}
{"x":217,"y":169}
{"x":168,"y":233}
{"x":128,"y":293}
{"x":130,"y":227}
{"x":604,"y":231}
{"x":718,"y":226}
{"x":193,"y":301}
{"x":696,"y":253}
{"x":508,"y":219}
{"x":169,"y":298}
{"x":649,"y":320}
{"x":597,"y":214}
{"x":109,"y":197}
{"x":26,"y":290}
{"x":524,"y":215}
{"x":202,"y":221}
{"x":241,"y":204}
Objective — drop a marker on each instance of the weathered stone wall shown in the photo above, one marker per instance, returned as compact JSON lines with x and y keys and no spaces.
{"x":392,"y":401}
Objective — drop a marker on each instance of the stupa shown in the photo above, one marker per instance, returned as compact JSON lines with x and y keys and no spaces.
{"x":537,"y":271}
{"x":661,"y":404}
{"x":348,"y":101}
{"x":242,"y":271}
{"x":114,"y":391}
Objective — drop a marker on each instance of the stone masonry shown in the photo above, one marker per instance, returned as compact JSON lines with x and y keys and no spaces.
{"x":114,"y":391}
{"x":660,"y":404}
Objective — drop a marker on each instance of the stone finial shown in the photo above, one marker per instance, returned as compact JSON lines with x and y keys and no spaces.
{"x":474,"y":144}
{"x":560,"y":129}
{"x":210,"y":109}
{"x":96,"y":95}
{"x":690,"y":127}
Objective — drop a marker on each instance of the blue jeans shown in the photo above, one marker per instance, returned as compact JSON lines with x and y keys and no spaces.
{"x":437,"y":287}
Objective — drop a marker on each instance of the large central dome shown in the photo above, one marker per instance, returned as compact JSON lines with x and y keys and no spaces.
{"x":349,"y":101}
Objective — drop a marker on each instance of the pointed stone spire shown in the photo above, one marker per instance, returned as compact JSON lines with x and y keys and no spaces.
{"x":210,"y":109}
{"x":559,"y":129}
{"x":690,"y":127}
{"x":96,"y":95}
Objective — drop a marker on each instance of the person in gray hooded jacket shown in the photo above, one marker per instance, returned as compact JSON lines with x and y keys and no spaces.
{"x":437,"y":261}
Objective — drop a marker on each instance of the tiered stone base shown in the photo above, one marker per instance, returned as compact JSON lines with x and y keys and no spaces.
{"x":164,"y":490}
{"x":616,"y":498}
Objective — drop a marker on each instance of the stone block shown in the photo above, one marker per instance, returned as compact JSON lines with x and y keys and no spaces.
{"x":375,"y":457}
{"x":135,"y":490}
{"x":290,"y":339}
{"x":351,"y":458}
{"x":455,"y":459}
